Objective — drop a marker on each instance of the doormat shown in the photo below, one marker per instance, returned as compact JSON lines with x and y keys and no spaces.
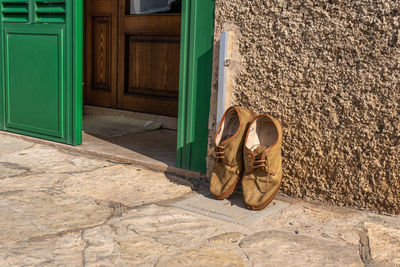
{"x":231,"y":210}
{"x":113,"y":126}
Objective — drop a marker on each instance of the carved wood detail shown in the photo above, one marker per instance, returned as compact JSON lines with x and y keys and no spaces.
{"x":101,"y":75}
{"x":101,"y":21}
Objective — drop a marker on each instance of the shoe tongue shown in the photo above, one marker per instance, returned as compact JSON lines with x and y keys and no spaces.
{"x":259,"y":150}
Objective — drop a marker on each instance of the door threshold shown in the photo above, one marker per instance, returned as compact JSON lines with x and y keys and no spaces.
{"x":96,"y":147}
{"x":170,"y":123}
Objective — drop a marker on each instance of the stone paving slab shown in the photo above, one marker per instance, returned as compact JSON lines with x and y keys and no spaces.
{"x":384,"y":243}
{"x":124,"y":184}
{"x":231,"y":209}
{"x":31,"y":182}
{"x":10,"y":144}
{"x":44,"y":159}
{"x":64,"y":209}
{"x":65,"y":250}
{"x":273,"y":246}
{"x":31,"y":215}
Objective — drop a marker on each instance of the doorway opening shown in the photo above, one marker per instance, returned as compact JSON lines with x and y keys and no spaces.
{"x":157,"y":63}
{"x":131,"y":78}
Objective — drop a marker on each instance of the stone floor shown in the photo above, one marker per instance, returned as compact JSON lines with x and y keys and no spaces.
{"x":144,"y":146}
{"x":59,"y":208}
{"x":156,"y":149}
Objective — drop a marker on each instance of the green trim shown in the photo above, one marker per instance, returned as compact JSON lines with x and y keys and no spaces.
{"x":195,"y":83}
{"x":2,"y":90}
{"x":180,"y":156}
{"x":77,"y":92}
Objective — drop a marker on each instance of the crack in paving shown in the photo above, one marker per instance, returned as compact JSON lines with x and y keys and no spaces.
{"x":14,"y":166}
{"x":364,"y":247}
{"x":20,"y":175}
{"x":86,"y":171}
{"x":157,"y":261}
{"x":244,"y":252}
{"x":9,"y":193}
{"x":87,"y":245}
{"x":19,"y":150}
{"x":27,"y":172}
{"x":58,"y":234}
{"x":118,"y":209}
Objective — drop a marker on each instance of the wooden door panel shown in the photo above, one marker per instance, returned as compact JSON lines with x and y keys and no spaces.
{"x":101,"y":6}
{"x":101,"y":75}
{"x":150,"y":104}
{"x":153,"y":65}
{"x":165,"y":24}
{"x":101,"y":52}
{"x":148,"y":62}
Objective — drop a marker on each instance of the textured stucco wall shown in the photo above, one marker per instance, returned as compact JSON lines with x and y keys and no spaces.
{"x":330,"y":72}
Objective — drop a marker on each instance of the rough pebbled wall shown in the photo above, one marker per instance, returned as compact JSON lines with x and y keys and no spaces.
{"x":329,"y":70}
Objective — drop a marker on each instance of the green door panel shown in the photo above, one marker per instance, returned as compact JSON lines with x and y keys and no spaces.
{"x":195,"y":83}
{"x":35,"y":80}
{"x":40,"y":55}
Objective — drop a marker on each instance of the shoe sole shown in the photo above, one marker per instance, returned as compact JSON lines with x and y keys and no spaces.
{"x":227,"y":193}
{"x":264,"y":205}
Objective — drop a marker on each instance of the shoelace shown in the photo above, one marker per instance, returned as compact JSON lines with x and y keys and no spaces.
{"x":219,"y":152}
{"x":261,"y":163}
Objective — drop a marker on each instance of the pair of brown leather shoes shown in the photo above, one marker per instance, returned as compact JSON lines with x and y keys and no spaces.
{"x":247,"y":148}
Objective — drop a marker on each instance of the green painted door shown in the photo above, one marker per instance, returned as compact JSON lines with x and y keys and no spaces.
{"x":195,"y":83}
{"x":41,"y":72}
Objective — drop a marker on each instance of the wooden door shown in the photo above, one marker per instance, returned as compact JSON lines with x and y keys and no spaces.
{"x":132,"y":61}
{"x":101,"y":21}
{"x":148,"y":65}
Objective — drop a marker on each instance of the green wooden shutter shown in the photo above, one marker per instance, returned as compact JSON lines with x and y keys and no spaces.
{"x":41,"y":73}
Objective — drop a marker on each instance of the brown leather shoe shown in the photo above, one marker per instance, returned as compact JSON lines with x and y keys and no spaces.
{"x":228,"y":145}
{"x":263,"y":162}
